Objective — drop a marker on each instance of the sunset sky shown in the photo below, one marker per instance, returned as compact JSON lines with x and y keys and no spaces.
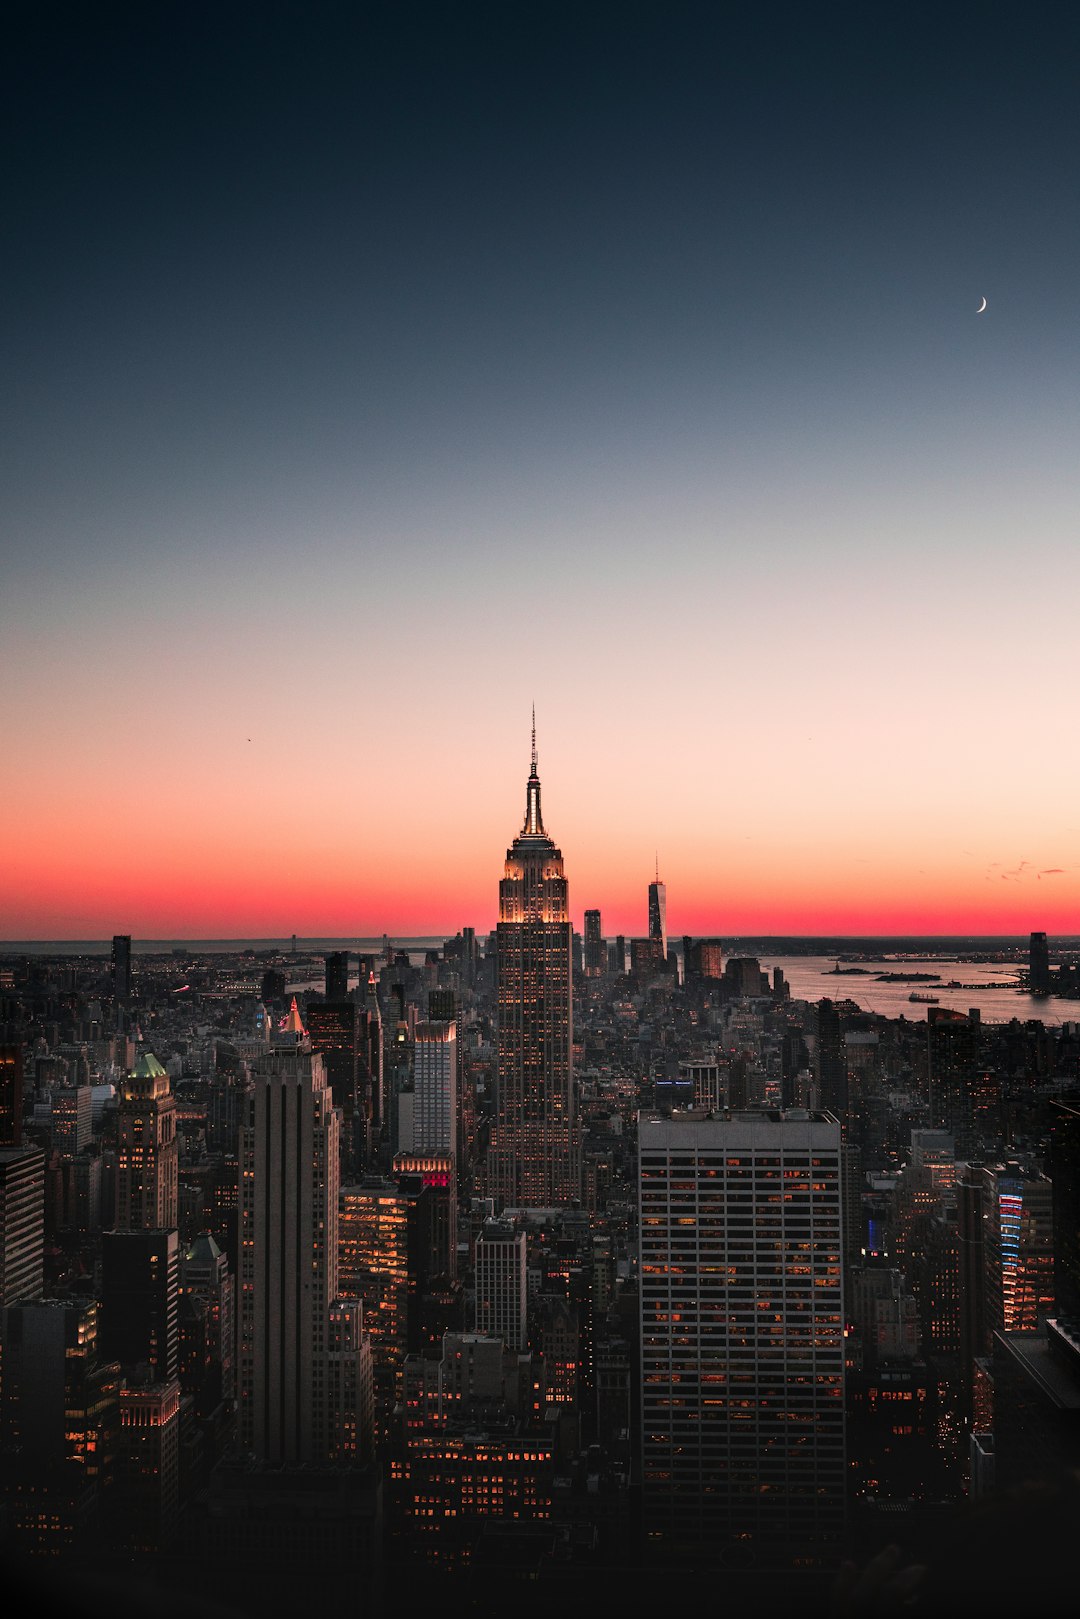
{"x":374,"y":371}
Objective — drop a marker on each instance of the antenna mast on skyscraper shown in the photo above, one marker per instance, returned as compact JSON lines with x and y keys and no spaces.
{"x":534,"y":739}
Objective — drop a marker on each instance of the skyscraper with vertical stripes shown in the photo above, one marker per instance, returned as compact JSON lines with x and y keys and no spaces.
{"x":533,"y":1159}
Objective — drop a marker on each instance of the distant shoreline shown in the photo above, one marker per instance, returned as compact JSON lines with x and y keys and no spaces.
{"x":748,"y":944}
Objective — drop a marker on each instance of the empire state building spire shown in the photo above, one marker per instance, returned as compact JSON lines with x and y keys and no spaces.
{"x":534,"y":1153}
{"x":534,"y":821}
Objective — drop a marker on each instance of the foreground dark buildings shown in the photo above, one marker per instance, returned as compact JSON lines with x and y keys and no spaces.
{"x":500,"y":1270}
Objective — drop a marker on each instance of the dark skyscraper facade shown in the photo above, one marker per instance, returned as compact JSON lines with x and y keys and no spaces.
{"x":658,"y":917}
{"x":533,"y":1160}
{"x":11,"y":1096}
{"x":121,"y":963}
{"x":595,"y":950}
{"x":337,"y":975}
{"x":1039,"y":964}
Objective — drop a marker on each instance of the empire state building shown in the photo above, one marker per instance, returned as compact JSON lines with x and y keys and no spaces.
{"x":533,"y":1160}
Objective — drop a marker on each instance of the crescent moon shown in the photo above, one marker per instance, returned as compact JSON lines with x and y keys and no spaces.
{"x":981,"y":307}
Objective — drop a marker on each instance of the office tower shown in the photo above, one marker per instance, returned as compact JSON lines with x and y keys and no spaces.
{"x":645,"y":958}
{"x":438,"y":1235}
{"x":703,"y":1078}
{"x":373,"y":1245}
{"x":145,"y":1497}
{"x":22,"y":1224}
{"x":350,"y":1388}
{"x":534,"y":1157}
{"x":742,"y":1344}
{"x":337,"y":975}
{"x":334,"y":1032}
{"x":502,"y":1284}
{"x":1039,"y":965}
{"x":288,"y":1256}
{"x":794,"y":1060}
{"x":1065,"y":1178}
{"x":1018,"y":1243}
{"x":952,"y":1055}
{"x":121,"y":966}
{"x":435,"y":1089}
{"x":47,"y":1345}
{"x":273,"y":986}
{"x":148,"y":1159}
{"x":658,"y":916}
{"x":595,"y":950}
{"x":831,"y":1060}
{"x":702,"y":958}
{"x":70,"y":1119}
{"x":971,"y":1268}
{"x":11,"y":1096}
{"x":140,"y":1277}
{"x":205,"y":1280}
{"x":370,"y":1048}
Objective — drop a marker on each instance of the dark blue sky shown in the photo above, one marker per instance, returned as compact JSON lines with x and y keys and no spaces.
{"x":338,"y":328}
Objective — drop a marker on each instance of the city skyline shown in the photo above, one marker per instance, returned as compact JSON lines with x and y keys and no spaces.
{"x":724,"y":360}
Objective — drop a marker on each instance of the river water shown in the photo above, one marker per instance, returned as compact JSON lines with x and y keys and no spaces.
{"x":813,"y":977}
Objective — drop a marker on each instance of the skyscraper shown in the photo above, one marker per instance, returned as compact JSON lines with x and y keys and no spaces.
{"x":501,"y":1307}
{"x":22,"y":1224}
{"x":148,"y":1161}
{"x":595,"y":950}
{"x":337,"y":975}
{"x":658,"y":916}
{"x":1039,"y":965}
{"x":742,"y":1343}
{"x":11,"y":1096}
{"x":121,"y":964}
{"x":533,"y":1159}
{"x":288,"y":1257}
{"x":435,"y":1082}
{"x":140,"y":1277}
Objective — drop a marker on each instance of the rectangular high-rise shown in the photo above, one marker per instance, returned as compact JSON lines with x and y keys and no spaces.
{"x":11,"y":1095}
{"x":501,"y":1309}
{"x":288,"y":1257}
{"x":22,"y":1224}
{"x":742,"y":1341}
{"x":435,"y":1088}
{"x":595,"y":948}
{"x":658,"y":918}
{"x":148,"y":1162}
{"x":534,"y":1158}
{"x":1039,"y":964}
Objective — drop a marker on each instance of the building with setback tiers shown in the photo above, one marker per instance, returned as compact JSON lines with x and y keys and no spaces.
{"x":288,"y":1258}
{"x":534,"y":1158}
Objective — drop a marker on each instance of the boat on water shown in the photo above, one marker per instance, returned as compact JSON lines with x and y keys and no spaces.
{"x":927,"y":1000}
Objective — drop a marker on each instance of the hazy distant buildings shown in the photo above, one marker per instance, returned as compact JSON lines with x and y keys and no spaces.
{"x":702,"y":958}
{"x":534,"y":1159}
